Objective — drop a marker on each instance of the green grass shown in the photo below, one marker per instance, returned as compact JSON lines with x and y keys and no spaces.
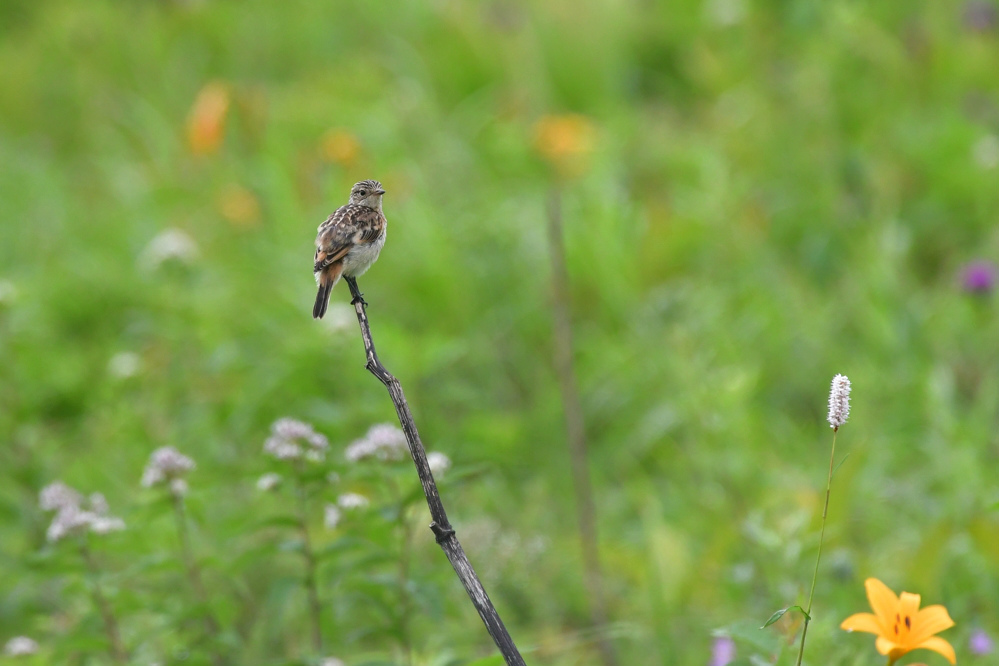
{"x":768,"y":203}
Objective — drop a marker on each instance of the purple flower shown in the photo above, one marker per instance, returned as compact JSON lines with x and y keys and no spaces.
{"x":722,"y":651}
{"x":980,"y":643}
{"x":980,"y":16}
{"x":979,"y":277}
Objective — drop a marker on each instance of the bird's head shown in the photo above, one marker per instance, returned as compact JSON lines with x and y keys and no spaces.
{"x":367,"y":193}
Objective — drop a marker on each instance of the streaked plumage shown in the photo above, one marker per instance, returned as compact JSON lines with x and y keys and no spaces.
{"x":349,"y":240}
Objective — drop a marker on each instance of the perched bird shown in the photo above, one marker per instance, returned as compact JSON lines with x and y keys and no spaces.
{"x":349,"y":240}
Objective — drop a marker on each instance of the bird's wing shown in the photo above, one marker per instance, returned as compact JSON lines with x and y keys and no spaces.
{"x":348,"y":226}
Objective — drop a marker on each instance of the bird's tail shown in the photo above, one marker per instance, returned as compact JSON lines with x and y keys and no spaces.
{"x":322,"y":299}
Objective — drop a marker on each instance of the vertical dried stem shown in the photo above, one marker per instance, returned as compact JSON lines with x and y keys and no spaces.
{"x":440,"y":526}
{"x":194,"y":574}
{"x":115,"y":647}
{"x":575,"y":427}
{"x":311,"y":588}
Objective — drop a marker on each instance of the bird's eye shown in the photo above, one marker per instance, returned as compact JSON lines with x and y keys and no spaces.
{"x":362,"y":193}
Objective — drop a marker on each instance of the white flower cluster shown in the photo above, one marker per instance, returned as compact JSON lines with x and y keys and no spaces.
{"x":509,"y":551}
{"x":351,"y":501}
{"x":167,"y":465}
{"x":20,"y":646}
{"x":170,"y":244}
{"x":58,"y":495}
{"x":839,"y":401}
{"x":339,"y":317}
{"x":287,"y":439}
{"x":439,"y":463}
{"x":124,"y":365}
{"x":383,"y":441}
{"x":331,"y":516}
{"x":72,"y":517}
{"x":333,"y":513}
{"x":268,"y":482}
{"x":331,"y":661}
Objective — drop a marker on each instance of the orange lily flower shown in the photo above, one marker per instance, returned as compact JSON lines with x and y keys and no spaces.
{"x":565,"y":142}
{"x":899,"y":623}
{"x":206,"y":120}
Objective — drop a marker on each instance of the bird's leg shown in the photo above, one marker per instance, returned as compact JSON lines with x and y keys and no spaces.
{"x":355,"y":292}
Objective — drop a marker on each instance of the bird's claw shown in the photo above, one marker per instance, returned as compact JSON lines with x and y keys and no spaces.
{"x":356,"y":293}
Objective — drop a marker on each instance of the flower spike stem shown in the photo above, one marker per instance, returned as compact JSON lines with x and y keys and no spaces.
{"x":440,"y":526}
{"x":586,"y":513}
{"x":194,"y":573}
{"x":818,"y":556}
{"x":115,"y":647}
{"x":311,"y":588}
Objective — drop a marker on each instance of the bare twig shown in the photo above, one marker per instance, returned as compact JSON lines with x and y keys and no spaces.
{"x":440,"y":526}
{"x":575,"y":428}
{"x":115,"y":646}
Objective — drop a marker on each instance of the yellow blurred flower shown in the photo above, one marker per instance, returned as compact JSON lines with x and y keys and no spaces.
{"x":206,"y":119}
{"x":340,"y":147}
{"x":565,"y":141}
{"x":239,"y":207}
{"x":900,"y":625}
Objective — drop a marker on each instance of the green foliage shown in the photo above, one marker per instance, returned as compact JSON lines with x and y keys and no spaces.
{"x":777,"y":192}
{"x":780,"y":613}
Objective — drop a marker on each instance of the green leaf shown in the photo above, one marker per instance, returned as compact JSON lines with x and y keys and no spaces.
{"x":840,"y":463}
{"x":278,"y":521}
{"x":492,"y":660}
{"x":339,"y":546}
{"x":291,"y":546}
{"x":779,"y":614}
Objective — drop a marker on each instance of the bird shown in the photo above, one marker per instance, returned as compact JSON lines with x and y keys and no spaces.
{"x":349,"y":241}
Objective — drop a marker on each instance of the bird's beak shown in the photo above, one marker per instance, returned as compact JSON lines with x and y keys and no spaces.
{"x":379,"y":191}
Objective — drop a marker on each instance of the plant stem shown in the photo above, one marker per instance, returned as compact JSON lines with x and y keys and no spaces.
{"x":402,"y":576}
{"x":818,"y":556}
{"x":440,"y":526}
{"x":575,"y":428}
{"x":110,"y":624}
{"x":315,"y":608}
{"x":194,"y":574}
{"x":405,"y":602}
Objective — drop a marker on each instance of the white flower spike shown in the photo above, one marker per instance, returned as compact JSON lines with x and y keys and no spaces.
{"x":839,"y":401}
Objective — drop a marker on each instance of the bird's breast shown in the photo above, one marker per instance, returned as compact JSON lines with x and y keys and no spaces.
{"x":361,"y":256}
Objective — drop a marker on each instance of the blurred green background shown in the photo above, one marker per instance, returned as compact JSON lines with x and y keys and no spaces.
{"x":757,"y":196}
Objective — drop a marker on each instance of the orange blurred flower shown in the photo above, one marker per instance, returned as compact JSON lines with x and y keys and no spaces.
{"x":565,"y":141}
{"x":900,"y":625}
{"x":206,"y":119}
{"x":239,"y":207}
{"x":340,"y":147}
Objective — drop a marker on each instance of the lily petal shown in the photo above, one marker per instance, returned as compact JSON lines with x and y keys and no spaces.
{"x":905,"y":616}
{"x":884,"y":645}
{"x":930,"y":620}
{"x":862,"y":622}
{"x":883,"y":602}
{"x":938,"y":644}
